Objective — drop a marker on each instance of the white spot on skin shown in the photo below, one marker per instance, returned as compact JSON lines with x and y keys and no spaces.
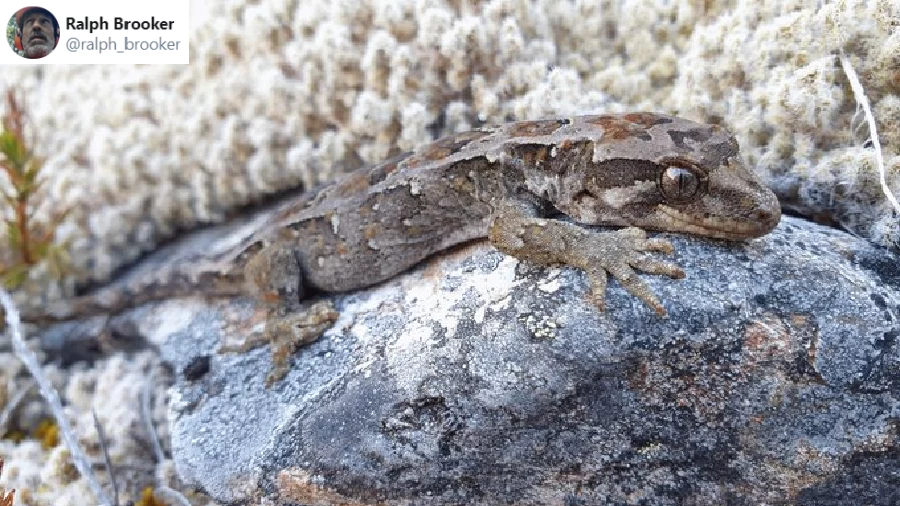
{"x":617,"y":198}
{"x":320,"y":261}
{"x":496,"y":156}
{"x":414,"y":187}
{"x":335,"y":222}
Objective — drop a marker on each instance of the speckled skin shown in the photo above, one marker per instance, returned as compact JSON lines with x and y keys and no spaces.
{"x":510,"y":184}
{"x":635,"y":170}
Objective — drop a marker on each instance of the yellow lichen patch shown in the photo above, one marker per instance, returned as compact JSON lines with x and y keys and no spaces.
{"x":47,"y":432}
{"x":148,"y":498}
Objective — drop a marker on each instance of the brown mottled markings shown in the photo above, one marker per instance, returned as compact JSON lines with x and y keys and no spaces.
{"x":456,"y":142}
{"x":534,"y":154}
{"x":352,"y":184}
{"x":536,"y":128}
{"x":381,"y":171}
{"x":618,"y":128}
{"x":542,"y":156}
{"x":249,"y":251}
{"x":445,"y":147}
{"x":647,"y":119}
{"x":430,"y":153}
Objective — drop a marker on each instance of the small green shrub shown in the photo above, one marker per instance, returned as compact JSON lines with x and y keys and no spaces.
{"x":26,"y":242}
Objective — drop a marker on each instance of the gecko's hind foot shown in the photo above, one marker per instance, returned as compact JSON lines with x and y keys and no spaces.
{"x":288,"y":331}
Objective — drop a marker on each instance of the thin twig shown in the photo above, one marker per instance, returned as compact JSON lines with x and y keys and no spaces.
{"x":147,"y":417}
{"x":101,"y":435}
{"x":82,"y":463}
{"x":861,"y":99}
{"x":13,"y":403}
{"x":165,"y":493}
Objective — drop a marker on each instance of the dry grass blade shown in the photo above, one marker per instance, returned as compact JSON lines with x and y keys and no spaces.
{"x":167,"y":494}
{"x":11,"y":406}
{"x":863,"y":102}
{"x":147,"y":418}
{"x":101,"y":435}
{"x":20,"y":348}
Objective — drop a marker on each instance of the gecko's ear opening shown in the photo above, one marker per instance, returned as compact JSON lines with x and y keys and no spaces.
{"x":584,"y":197}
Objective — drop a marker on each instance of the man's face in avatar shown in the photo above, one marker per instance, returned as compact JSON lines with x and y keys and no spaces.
{"x":38,"y":38}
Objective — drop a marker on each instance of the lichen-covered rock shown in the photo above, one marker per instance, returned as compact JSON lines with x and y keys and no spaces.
{"x":477,"y":379}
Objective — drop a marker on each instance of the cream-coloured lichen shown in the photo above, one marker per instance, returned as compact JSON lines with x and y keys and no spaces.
{"x":288,"y":93}
{"x":773,"y":75}
{"x":112,"y":389}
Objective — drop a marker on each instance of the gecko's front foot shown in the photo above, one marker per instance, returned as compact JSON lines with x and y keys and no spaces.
{"x":619,"y":253}
{"x":289,"y":330}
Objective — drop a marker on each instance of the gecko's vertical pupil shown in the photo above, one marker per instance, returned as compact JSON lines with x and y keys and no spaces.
{"x":679,"y":184}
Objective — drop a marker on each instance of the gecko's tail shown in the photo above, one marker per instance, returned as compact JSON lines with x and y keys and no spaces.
{"x":114,"y":300}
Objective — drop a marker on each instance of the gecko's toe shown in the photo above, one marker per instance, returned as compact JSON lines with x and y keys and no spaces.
{"x":656,"y":244}
{"x":653,"y":266}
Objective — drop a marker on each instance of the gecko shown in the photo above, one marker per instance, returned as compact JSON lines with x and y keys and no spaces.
{"x":529,"y":187}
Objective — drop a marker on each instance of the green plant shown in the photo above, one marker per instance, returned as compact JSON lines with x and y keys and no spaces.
{"x":10,"y":32}
{"x":27,"y":241}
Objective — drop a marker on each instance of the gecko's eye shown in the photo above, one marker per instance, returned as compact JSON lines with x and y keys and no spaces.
{"x":678,"y":184}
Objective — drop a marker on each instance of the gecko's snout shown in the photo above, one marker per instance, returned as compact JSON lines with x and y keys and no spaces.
{"x":767,"y":215}
{"x":767,"y":218}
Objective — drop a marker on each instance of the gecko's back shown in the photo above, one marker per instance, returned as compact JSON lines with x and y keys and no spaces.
{"x":603,"y":169}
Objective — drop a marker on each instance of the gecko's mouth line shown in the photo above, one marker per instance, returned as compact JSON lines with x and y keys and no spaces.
{"x":717,"y":227}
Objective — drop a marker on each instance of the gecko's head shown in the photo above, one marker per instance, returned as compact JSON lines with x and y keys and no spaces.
{"x":666,"y":173}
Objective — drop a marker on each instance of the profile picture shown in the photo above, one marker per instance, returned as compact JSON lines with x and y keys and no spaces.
{"x":32,"y":32}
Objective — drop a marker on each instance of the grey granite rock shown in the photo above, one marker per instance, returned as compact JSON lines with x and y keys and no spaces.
{"x":480,"y":380}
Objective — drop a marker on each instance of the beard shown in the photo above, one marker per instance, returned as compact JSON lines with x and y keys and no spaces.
{"x":38,"y":49}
